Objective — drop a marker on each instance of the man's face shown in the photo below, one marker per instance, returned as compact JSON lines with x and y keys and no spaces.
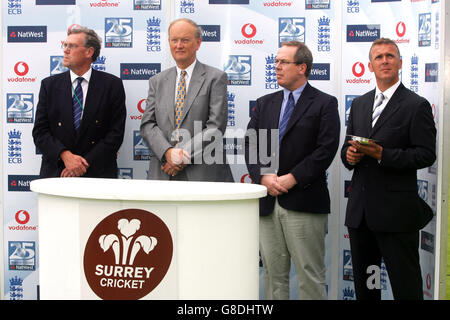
{"x":289,"y":74}
{"x":385,"y":63}
{"x":183,"y":44}
{"x":76,"y":55}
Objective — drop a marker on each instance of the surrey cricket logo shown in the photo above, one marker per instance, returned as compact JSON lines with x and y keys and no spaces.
{"x":127,"y":255}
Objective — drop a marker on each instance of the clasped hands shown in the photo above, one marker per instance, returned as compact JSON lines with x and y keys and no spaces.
{"x":357,"y":151}
{"x":75,"y":165}
{"x":278,"y":185}
{"x":176,"y":160}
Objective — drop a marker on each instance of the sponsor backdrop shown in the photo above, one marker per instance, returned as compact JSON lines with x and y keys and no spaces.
{"x":240,"y":37}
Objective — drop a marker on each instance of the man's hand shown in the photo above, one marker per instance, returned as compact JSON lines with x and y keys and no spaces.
{"x":75,"y":165}
{"x":353,"y":155}
{"x":287,"y":181}
{"x":372,"y":149}
{"x":177,"y":159}
{"x":274,"y":187}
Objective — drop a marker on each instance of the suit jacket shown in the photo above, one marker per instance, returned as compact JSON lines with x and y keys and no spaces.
{"x":101,"y":130}
{"x":205,"y":112}
{"x":307,"y":149}
{"x":385,"y":192}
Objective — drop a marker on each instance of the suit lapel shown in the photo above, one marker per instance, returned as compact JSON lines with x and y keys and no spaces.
{"x":392,"y":106}
{"x":275,"y":109}
{"x":302,"y":105}
{"x":92,"y":101}
{"x":169,"y":92}
{"x":195,"y":83}
{"x":65,"y":94}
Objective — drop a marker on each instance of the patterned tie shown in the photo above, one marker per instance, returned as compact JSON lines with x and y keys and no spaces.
{"x":77,"y":102}
{"x":377,"y":110}
{"x":287,"y":114}
{"x":181,"y":94}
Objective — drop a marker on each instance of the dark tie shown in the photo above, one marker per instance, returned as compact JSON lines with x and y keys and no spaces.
{"x":77,"y":101}
{"x":377,"y":108}
{"x":286,"y":115}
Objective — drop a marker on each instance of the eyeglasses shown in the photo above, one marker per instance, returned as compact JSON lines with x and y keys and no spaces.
{"x":284,"y":62}
{"x":69,"y":46}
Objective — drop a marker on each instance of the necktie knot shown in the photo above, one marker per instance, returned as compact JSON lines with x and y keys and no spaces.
{"x":80,"y":80}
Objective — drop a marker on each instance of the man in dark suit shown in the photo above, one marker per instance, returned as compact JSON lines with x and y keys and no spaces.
{"x":187,"y":107}
{"x":384,"y":212}
{"x":80,"y":116}
{"x":294,"y":215}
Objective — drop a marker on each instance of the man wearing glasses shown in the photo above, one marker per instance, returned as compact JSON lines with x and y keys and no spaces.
{"x":294,"y":214}
{"x":80,"y":116}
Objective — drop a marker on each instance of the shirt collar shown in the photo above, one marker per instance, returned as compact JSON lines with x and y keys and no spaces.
{"x":188,"y":70}
{"x":86,"y":76}
{"x":296,"y":93}
{"x":388,"y":93}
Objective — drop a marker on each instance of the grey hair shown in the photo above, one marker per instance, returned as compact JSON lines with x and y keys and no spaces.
{"x":92,"y":39}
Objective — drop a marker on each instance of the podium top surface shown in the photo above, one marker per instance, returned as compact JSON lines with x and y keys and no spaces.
{"x":146,"y":190}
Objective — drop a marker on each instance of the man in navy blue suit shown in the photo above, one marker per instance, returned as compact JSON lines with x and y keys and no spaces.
{"x":80,"y":116}
{"x":294,"y":214}
{"x":384,"y":211}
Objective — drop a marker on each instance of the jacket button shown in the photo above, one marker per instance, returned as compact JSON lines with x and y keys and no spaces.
{"x":92,"y":142}
{"x":59,"y":124}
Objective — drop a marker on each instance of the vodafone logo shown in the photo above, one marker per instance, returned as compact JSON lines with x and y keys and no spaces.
{"x":22,"y":217}
{"x":127,"y":255}
{"x":246,"y":178}
{"x":141,"y":106}
{"x":358,"y":69}
{"x":400,"y":29}
{"x":248,"y":30}
{"x":21,"y":68}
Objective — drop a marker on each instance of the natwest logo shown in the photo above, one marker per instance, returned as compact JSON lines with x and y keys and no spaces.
{"x":139,"y":71}
{"x":363,"y":32}
{"x":21,"y":69}
{"x":248,"y":31}
{"x":27,"y":33}
{"x":127,"y":255}
{"x":358,"y":70}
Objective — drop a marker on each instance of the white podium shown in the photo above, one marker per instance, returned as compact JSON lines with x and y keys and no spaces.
{"x":140,"y":239}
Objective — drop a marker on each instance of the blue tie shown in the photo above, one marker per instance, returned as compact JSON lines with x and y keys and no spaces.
{"x":287,"y":114}
{"x":77,"y":102}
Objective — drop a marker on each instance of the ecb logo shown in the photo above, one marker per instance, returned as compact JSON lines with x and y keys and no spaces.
{"x":20,"y":107}
{"x":424,"y":30}
{"x":56,"y":65}
{"x":239,"y":70}
{"x":140,"y":149}
{"x":291,"y":29}
{"x":125,"y":173}
{"x":187,"y":6}
{"x":118,"y":32}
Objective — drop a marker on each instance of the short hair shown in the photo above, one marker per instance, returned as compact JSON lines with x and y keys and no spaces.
{"x":198,"y":29}
{"x":302,"y":55}
{"x":92,"y":39}
{"x":381,"y":41}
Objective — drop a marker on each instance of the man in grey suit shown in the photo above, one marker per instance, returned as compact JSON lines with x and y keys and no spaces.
{"x":184,"y":129}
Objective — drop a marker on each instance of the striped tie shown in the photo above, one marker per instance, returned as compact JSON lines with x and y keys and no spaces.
{"x":377,"y":109}
{"x":287,"y":114}
{"x":77,"y":102}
